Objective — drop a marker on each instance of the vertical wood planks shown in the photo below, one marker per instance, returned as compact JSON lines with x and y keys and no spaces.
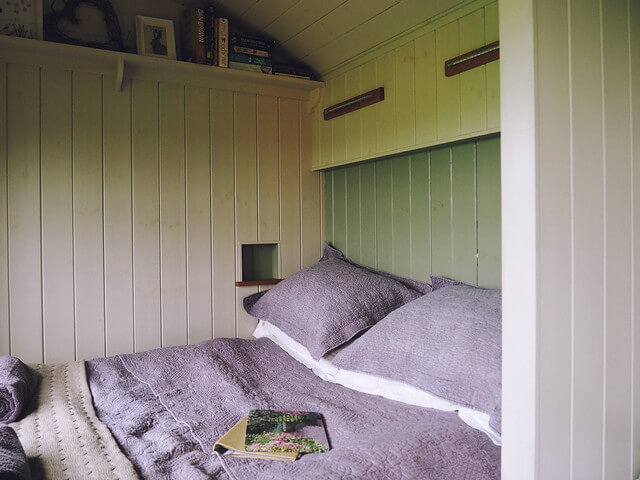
{"x":401,"y":215}
{"x":352,"y":245}
{"x":5,"y":344}
{"x":340,"y":209}
{"x":57,"y":228}
{"x":368,"y":248}
{"x":267,"y":170}
{"x":473,"y":88}
{"x":223,"y":214}
{"x":23,"y":158}
{"x":368,"y":118}
{"x":353,"y":120}
{"x":118,"y":247}
{"x":463,"y":221}
{"x":146,"y":215}
{"x":427,"y":212}
{"x":87,"y":215}
{"x":441,"y":212}
{"x":173,"y":249}
{"x":289,"y":141}
{"x":338,"y":124}
{"x":422,"y":107}
{"x":385,"y":110}
{"x":246,"y":184}
{"x":488,"y":211}
{"x":492,"y":70}
{"x":618,"y":248}
{"x":448,"y":46}
{"x":420,"y":252}
{"x":328,"y":207}
{"x":384,"y":216}
{"x":310,"y":190}
{"x":588,"y":246}
{"x":426,"y":107}
{"x":405,"y":107}
{"x":198,"y":176}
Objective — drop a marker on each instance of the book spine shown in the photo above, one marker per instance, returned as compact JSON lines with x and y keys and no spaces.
{"x":251,"y":59}
{"x":216,"y":42}
{"x":210,"y":35}
{"x":292,"y":75}
{"x":250,"y":51}
{"x":251,"y":67}
{"x":199,"y":42}
{"x":223,"y":42}
{"x":251,"y":42}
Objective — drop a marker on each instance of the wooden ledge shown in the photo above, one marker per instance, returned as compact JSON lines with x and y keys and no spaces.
{"x":255,"y":283}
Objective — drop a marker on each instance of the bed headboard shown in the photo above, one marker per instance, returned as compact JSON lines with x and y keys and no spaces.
{"x":428,"y":212}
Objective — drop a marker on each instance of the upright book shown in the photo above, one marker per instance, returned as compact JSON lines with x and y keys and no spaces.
{"x":194,"y":34}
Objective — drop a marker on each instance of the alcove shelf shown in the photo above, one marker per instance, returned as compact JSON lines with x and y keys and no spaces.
{"x":119,"y":67}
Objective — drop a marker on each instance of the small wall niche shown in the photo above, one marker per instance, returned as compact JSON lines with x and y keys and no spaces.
{"x":259,"y":264}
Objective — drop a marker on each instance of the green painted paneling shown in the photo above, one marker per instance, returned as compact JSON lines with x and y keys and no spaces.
{"x":353,"y":214}
{"x":464,"y":263}
{"x":434,"y":211}
{"x":489,"y":246}
{"x":328,"y":206}
{"x":368,"y":244}
{"x":420,"y":214}
{"x":384,"y":216}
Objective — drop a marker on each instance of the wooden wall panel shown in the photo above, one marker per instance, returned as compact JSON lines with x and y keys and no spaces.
{"x":198,"y":189}
{"x":23,"y":173}
{"x":123,"y":211}
{"x":57,"y":216}
{"x":5,"y":340}
{"x":118,"y":243}
{"x":146,"y":215}
{"x":223,"y":213}
{"x":88,"y":241}
{"x":173,"y":249}
{"x":422,"y":107}
{"x":430,"y":212}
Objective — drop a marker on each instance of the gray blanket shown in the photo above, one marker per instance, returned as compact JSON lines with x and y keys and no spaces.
{"x":18,"y":384}
{"x":13,"y":460}
{"x":167,"y":407}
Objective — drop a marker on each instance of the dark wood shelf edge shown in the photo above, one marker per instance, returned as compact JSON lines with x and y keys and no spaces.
{"x":255,"y":283}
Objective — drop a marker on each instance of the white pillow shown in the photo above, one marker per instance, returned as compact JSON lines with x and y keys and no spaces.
{"x":372,"y":384}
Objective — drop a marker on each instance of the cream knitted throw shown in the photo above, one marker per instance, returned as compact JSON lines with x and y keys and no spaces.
{"x":62,"y":436}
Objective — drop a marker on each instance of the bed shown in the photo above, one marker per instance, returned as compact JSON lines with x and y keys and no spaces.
{"x":157,"y":414}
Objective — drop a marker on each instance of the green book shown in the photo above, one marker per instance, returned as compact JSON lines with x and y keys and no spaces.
{"x":251,"y":59}
{"x":285,"y":431}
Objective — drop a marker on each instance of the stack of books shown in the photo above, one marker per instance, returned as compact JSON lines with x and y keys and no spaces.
{"x":275,"y":435}
{"x":251,"y":53}
{"x":205,"y":36}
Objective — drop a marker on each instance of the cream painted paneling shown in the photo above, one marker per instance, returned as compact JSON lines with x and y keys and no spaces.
{"x":570,"y":241}
{"x":126,"y":210}
{"x":422,"y":107}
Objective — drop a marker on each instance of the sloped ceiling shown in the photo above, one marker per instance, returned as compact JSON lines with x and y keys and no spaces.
{"x":326,"y":33}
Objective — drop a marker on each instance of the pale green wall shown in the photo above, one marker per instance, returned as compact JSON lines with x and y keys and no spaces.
{"x":435,"y":211}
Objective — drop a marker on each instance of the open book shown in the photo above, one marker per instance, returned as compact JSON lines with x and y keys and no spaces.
{"x":275,"y":435}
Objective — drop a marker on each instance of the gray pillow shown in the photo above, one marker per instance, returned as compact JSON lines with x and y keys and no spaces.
{"x":447,"y":343}
{"x":326,"y":304}
{"x":440,"y":282}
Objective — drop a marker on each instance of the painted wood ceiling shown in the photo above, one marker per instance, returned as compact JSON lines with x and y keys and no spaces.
{"x":326,"y":33}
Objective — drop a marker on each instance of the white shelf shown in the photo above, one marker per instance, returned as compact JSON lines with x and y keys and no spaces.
{"x":123,"y":66}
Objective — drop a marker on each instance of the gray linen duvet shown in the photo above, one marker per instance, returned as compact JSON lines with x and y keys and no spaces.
{"x":167,"y":407}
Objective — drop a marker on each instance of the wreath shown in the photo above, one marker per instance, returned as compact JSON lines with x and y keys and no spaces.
{"x":53,"y":32}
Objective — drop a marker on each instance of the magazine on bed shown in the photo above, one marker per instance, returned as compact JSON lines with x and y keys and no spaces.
{"x":275,"y":435}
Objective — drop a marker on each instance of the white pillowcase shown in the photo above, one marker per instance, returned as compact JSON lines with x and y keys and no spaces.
{"x":372,"y":384}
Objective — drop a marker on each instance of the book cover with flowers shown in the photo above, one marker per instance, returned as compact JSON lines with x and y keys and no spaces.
{"x":285,"y":431}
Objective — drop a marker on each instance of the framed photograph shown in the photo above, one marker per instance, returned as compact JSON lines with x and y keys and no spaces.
{"x":21,"y":18}
{"x":155,"y":37}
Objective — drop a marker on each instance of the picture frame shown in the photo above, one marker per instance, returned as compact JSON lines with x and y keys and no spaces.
{"x":21,"y":18}
{"x":155,"y":37}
